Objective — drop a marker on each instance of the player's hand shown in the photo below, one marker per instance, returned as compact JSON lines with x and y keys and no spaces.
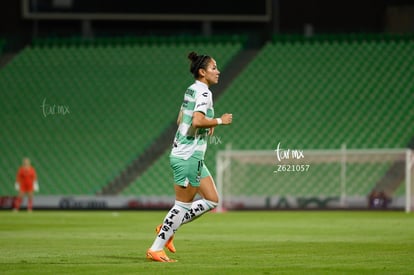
{"x":211,"y":131}
{"x":227,"y":118}
{"x":36,"y":186}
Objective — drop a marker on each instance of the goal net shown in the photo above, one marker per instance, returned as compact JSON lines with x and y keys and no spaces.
{"x":284,"y":178}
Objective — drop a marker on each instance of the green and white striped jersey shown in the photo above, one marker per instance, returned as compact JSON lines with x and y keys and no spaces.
{"x":190,"y":141}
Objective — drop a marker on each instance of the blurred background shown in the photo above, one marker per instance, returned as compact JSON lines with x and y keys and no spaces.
{"x":23,"y":20}
{"x":90,"y":91}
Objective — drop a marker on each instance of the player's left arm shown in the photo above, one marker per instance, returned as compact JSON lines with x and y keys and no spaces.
{"x":180,"y":117}
{"x":211,"y":131}
{"x":35,"y":182}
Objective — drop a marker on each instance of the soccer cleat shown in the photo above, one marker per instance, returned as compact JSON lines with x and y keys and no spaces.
{"x":159,"y":256}
{"x":169,"y":244}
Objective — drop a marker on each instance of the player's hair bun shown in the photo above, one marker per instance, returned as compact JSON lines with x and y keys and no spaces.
{"x":197,"y":62}
{"x":193,"y":56}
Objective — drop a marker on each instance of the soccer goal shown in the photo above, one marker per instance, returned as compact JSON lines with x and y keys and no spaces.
{"x":285,"y":178}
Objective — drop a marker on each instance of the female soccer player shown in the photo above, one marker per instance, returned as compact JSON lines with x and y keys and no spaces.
{"x":26,"y":183}
{"x":195,"y":122}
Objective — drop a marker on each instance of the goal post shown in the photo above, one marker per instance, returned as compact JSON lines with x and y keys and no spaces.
{"x":289,"y":178}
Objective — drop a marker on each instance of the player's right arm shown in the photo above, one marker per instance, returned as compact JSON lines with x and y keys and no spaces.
{"x":18,"y":175}
{"x":17,"y":182}
{"x":200,"y":120}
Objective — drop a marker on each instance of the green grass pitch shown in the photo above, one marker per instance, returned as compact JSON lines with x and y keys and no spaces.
{"x":291,"y":242}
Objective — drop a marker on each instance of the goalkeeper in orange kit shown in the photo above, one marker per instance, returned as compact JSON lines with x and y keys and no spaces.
{"x":26,"y":183}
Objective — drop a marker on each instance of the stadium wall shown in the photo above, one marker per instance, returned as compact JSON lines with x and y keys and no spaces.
{"x":57,"y":202}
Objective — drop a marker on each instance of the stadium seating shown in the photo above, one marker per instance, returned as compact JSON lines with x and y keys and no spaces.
{"x":317,"y":93}
{"x":82,"y":110}
{"x":306,"y":93}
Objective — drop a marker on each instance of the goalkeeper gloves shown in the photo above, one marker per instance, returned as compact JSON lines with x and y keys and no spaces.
{"x":36,"y":186}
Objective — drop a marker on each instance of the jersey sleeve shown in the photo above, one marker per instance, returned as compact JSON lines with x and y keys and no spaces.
{"x":201,"y":103}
